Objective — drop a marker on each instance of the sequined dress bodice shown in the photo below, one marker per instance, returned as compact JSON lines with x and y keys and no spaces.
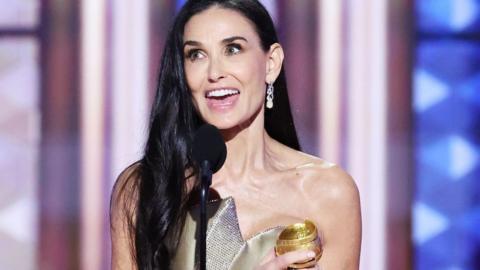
{"x":226,"y":248}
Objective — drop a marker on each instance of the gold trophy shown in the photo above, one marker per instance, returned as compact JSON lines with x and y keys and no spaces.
{"x":300,"y":236}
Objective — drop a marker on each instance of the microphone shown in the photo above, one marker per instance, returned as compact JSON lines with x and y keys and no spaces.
{"x":210,"y":152}
{"x":208,"y":145}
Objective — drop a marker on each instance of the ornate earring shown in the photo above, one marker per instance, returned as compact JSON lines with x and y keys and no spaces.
{"x":270,"y":95}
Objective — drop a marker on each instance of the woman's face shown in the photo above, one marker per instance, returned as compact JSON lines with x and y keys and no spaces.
{"x":225,"y":66}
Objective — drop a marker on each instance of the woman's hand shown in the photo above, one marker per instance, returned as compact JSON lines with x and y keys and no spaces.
{"x":272,"y":262}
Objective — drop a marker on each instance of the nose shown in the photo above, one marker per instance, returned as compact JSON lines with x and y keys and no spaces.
{"x":216,"y":70}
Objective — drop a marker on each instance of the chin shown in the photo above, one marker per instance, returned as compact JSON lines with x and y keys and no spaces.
{"x":229,"y":128}
{"x":232,"y":121}
{"x":222,"y":124}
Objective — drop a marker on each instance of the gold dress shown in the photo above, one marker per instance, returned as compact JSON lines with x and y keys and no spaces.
{"x":226,"y":248}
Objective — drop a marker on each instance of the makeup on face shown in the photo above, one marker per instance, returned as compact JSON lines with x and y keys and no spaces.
{"x":225,"y":66}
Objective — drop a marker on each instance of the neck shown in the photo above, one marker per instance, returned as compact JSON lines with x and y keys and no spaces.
{"x":248,"y":149}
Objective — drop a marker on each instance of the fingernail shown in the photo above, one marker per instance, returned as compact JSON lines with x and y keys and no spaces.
{"x":311,"y":254}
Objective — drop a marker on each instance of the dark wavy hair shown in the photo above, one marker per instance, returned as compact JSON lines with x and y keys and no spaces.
{"x":161,"y":206}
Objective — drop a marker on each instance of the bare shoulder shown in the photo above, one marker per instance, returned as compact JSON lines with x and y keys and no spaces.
{"x":322,"y":183}
{"x":128,"y":178}
{"x":335,"y":207}
{"x":324,"y":193}
{"x":125,"y":187}
{"x":327,"y":183}
{"x":122,"y":217}
{"x":124,"y":197}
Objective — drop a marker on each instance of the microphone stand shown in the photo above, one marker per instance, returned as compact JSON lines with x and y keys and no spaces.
{"x":205,"y":182}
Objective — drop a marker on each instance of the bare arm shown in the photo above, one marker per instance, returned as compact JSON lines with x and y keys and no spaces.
{"x":122,"y":207}
{"x":340,"y":223}
{"x":332,"y":201}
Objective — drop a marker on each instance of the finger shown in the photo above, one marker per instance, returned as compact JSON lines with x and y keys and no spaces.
{"x":315,"y":267}
{"x":269,"y":257}
{"x":292,"y":257}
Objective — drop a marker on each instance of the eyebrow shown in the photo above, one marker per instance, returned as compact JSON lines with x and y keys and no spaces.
{"x":224,"y":41}
{"x":231,"y":39}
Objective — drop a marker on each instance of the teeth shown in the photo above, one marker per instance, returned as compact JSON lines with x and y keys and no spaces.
{"x":222,"y":92}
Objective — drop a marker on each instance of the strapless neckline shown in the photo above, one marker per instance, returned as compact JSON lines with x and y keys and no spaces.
{"x":227,"y":204}
{"x":226,"y":247}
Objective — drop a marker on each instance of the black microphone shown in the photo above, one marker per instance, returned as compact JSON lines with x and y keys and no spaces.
{"x":209,"y":151}
{"x":208,"y":145}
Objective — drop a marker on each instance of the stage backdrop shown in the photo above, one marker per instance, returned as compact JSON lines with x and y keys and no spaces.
{"x":446,"y":206}
{"x":388,"y":89}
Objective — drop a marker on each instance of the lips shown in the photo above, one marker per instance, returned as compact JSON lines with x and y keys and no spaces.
{"x":222,"y":99}
{"x":221,"y":93}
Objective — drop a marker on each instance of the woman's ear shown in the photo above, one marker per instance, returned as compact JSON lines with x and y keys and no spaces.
{"x":274,"y":62}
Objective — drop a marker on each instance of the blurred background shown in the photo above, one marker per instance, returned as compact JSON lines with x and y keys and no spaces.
{"x":388,"y":89}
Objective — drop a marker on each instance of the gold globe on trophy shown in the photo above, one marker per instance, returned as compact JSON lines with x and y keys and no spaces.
{"x":300,"y":236}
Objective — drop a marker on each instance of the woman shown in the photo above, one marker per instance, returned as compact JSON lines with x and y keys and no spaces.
{"x":222,"y":64}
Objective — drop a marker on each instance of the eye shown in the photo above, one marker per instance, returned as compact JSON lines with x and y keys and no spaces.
{"x":233,"y":49}
{"x":194,"y":54}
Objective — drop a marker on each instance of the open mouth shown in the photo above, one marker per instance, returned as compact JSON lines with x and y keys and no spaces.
{"x":222,"y":100}
{"x":220,"y":94}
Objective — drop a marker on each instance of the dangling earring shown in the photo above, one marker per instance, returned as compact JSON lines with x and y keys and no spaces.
{"x":270,"y":96}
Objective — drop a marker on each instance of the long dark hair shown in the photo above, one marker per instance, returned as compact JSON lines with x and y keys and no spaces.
{"x":162,"y":172}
